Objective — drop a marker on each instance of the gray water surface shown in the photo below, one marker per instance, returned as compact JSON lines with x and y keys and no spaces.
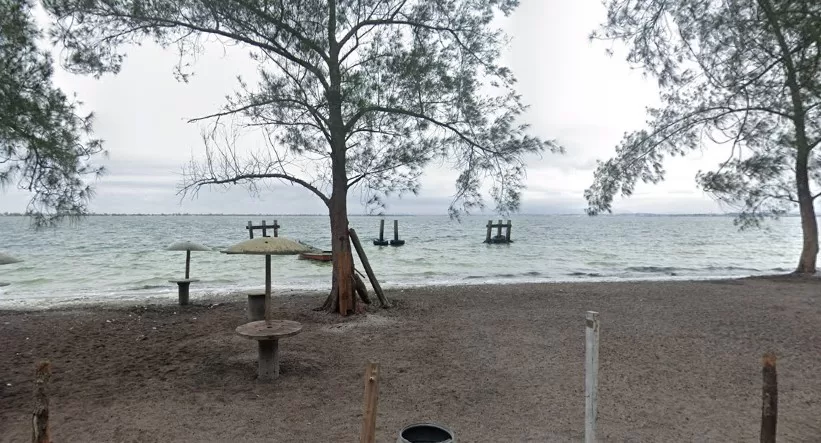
{"x":111,"y":258}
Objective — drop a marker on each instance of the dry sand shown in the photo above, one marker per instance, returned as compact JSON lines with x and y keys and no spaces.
{"x":680,"y":361}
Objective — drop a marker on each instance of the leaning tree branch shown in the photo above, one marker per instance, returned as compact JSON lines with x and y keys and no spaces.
{"x":401,"y":111}
{"x":243,"y":177}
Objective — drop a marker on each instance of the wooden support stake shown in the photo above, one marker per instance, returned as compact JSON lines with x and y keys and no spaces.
{"x":267,"y":287}
{"x":396,"y":230}
{"x":251,"y":229}
{"x":276,"y":229}
{"x":40,"y":432}
{"x":187,"y":262}
{"x":368,"y":433}
{"x":499,"y":228}
{"x":591,"y":376}
{"x":264,"y":229}
{"x":507,"y":234}
{"x":769,"y":399}
{"x":489,"y":230}
{"x":382,"y":230}
{"x":368,"y":270}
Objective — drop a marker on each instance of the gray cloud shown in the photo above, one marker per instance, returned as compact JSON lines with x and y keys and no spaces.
{"x":579,"y":96}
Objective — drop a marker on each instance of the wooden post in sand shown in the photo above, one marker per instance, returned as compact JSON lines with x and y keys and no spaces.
{"x":769,"y":399}
{"x":368,"y":433}
{"x":40,"y":432}
{"x":591,"y":376}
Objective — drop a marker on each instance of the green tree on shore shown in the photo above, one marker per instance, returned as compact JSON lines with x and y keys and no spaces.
{"x":740,"y":74}
{"x":353,"y":95}
{"x":45,"y":146}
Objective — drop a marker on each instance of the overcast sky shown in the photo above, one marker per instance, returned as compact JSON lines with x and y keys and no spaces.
{"x":578,"y":95}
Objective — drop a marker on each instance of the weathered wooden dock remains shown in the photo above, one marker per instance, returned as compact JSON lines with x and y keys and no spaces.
{"x":262,"y":227}
{"x":498,"y":238}
{"x":381,"y":240}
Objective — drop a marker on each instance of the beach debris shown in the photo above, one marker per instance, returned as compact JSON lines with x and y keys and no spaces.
{"x":498,"y":238}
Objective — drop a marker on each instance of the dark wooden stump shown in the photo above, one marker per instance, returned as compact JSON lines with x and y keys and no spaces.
{"x":769,"y":400}
{"x":40,"y":432}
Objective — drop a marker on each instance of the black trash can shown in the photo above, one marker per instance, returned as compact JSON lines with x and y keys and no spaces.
{"x":426,"y":433}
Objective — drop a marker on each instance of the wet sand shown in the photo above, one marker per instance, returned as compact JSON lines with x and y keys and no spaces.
{"x":680,"y":361}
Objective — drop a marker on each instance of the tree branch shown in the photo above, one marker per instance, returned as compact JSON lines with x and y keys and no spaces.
{"x":235,"y":179}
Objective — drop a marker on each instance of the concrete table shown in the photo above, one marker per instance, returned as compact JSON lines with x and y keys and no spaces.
{"x":267,"y":333}
{"x":183,"y":288}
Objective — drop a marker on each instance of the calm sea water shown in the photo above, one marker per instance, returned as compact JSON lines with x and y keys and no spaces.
{"x":123,"y":258}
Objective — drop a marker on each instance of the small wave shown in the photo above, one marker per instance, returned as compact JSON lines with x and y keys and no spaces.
{"x":532,"y":273}
{"x":505,"y":275}
{"x":584,"y":274}
{"x":144,"y":287}
{"x":653,"y":269}
{"x":732,"y":268}
{"x":473,"y":277}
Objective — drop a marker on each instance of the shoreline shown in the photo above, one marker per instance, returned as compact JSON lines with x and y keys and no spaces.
{"x":168,"y":296}
{"x":679,"y":361}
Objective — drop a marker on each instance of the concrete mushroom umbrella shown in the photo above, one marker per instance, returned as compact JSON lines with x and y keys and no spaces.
{"x":268,"y":332}
{"x":183,"y":284}
{"x":7,"y":260}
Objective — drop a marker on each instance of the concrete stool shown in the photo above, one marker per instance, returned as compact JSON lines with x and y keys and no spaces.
{"x":256,"y":307}
{"x":267,"y":334}
{"x":183,"y":289}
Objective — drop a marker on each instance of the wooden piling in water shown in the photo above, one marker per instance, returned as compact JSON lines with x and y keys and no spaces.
{"x":489,"y":230}
{"x":371,"y":399}
{"x":769,"y":399}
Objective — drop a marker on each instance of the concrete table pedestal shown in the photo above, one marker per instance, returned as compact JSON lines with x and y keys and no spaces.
{"x":256,"y":307}
{"x":268,"y":333}
{"x":183,"y":289}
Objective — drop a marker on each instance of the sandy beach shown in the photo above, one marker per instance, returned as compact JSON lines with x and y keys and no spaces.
{"x":680,"y":361}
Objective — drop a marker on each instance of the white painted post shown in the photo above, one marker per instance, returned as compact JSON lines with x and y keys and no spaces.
{"x":591,"y":376}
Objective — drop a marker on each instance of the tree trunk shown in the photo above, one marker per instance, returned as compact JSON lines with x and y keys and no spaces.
{"x":341,"y":290}
{"x":809,"y":224}
{"x":342,"y":296}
